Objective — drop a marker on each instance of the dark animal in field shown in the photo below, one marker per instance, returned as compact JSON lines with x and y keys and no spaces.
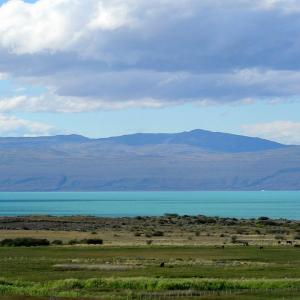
{"x":279,"y":242}
{"x":261,"y":247}
{"x":297,"y":246}
{"x":162,"y":265}
{"x":289,"y":242}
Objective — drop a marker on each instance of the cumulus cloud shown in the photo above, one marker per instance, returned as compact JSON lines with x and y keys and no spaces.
{"x":107,"y":54}
{"x":60,"y":104}
{"x":13,"y":126}
{"x":282,"y":131}
{"x":3,"y":76}
{"x":55,"y":25}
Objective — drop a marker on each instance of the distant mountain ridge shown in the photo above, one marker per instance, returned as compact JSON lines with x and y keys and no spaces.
{"x":214,"y":141}
{"x":195,"y":160}
{"x":206,"y":140}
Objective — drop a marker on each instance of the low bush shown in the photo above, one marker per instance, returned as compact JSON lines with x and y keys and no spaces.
{"x":73,"y":242}
{"x":24,"y":242}
{"x":267,"y":222}
{"x":158,"y":233}
{"x":297,"y":237}
{"x":57,"y":242}
{"x":233,"y":239}
{"x":93,"y":241}
{"x":86,"y":241}
{"x":241,"y":231}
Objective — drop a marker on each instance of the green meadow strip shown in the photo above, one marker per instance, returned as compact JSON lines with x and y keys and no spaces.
{"x":77,"y":287}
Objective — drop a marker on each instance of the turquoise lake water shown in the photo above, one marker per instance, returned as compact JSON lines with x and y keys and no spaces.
{"x":225,"y":204}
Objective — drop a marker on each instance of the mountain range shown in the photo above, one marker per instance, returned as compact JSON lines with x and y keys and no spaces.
{"x":194,"y":160}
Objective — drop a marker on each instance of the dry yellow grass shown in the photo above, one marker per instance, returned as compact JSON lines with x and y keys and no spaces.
{"x":125,"y":238}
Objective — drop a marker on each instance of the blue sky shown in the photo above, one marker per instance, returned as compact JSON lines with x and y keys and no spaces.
{"x":105,"y":67}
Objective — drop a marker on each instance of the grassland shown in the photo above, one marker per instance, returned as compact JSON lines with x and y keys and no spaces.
{"x":186,"y":259}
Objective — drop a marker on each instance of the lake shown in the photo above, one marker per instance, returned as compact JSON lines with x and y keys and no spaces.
{"x":224,"y":204}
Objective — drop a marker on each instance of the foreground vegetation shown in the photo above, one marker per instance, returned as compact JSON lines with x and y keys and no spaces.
{"x":94,"y":263}
{"x":133,"y":272}
{"x":131,"y":286}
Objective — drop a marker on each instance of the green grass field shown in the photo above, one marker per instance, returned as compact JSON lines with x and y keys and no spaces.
{"x":236,"y":272}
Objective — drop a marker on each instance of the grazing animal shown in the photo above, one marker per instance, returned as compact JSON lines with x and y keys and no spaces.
{"x":162,"y":264}
{"x":261,"y":247}
{"x":289,"y":242}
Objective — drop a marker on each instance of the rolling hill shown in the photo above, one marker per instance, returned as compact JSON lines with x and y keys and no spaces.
{"x":195,"y":160}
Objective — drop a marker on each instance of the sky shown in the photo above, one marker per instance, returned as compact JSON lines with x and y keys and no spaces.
{"x":109,"y":67}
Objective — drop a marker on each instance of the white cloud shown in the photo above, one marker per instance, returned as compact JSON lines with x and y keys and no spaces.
{"x":286,"y":6}
{"x":60,"y":104}
{"x":56,"y":25}
{"x":13,"y":126}
{"x":114,"y":54}
{"x":3,"y":76}
{"x":93,"y":91}
{"x":282,"y":131}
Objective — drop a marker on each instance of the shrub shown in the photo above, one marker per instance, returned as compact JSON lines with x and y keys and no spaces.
{"x":57,"y":242}
{"x":93,"y":241}
{"x":297,"y":237}
{"x":233,"y":239}
{"x":240,"y":231}
{"x":158,"y":233}
{"x":24,"y":242}
{"x":86,"y":241}
{"x":267,"y":223}
{"x":73,"y":242}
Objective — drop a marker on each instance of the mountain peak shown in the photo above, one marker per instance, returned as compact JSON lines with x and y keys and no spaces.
{"x":204,"y":139}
